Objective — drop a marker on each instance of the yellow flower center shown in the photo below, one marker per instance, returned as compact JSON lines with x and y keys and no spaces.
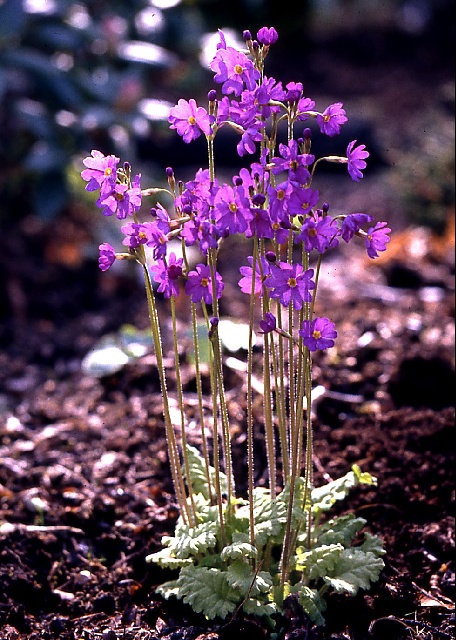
{"x":204,"y":282}
{"x":238,"y":69}
{"x":233,"y":207}
{"x":192,"y":120}
{"x":292,"y":282}
{"x":280,"y":194}
{"x":108,"y":171}
{"x":327,"y":117}
{"x":142,"y":235}
{"x":316,"y":334}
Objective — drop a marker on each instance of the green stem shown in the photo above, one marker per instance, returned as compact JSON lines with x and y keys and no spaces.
{"x":182,"y":412}
{"x":176,"y":470}
{"x":199,"y":392}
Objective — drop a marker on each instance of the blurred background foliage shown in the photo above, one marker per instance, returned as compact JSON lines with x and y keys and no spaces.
{"x":82,"y":74}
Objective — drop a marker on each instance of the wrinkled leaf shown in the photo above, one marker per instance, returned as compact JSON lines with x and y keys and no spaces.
{"x":207,"y":591}
{"x":355,"y":570}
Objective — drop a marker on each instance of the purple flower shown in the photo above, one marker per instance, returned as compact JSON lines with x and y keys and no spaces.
{"x":107,"y":256}
{"x":233,"y":69}
{"x":356,"y":160}
{"x":135,"y":234}
{"x":293,"y":162}
{"x":259,"y":223}
{"x":267,"y":36}
{"x":156,"y":239}
{"x":249,"y":137}
{"x":278,"y":200}
{"x":231,"y":206}
{"x":189,"y":120}
{"x":318,"y":334}
{"x":268,"y":90}
{"x":377,"y":238}
{"x":332,"y":119}
{"x":121,"y":200}
{"x":352,"y":223}
{"x":304,"y":105}
{"x":199,"y":284}
{"x":269,"y":323}
{"x":261,"y":272}
{"x":294,"y":91}
{"x":319,"y":232}
{"x":167,"y":275}
{"x":290,"y":283}
{"x":101,"y":171}
{"x":302,"y":200}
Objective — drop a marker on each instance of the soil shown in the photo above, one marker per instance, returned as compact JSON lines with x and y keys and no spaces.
{"x":85,"y":490}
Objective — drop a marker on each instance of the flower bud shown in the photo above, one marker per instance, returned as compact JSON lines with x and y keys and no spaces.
{"x":258,"y":199}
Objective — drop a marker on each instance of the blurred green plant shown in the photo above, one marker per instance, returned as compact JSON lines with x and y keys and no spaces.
{"x":76,"y":74}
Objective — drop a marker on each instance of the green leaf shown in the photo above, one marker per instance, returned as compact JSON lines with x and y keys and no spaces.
{"x":319,"y":562}
{"x":198,"y":477}
{"x":324,"y":497}
{"x":164,"y":559}
{"x":168,"y":589}
{"x":256,"y":608}
{"x":363,"y":476}
{"x":342,"y":530}
{"x":355,"y":570}
{"x":189,"y":541}
{"x":373,"y":544}
{"x":240,"y":576}
{"x":238,"y":551}
{"x":207,"y":591}
{"x":313,"y":604}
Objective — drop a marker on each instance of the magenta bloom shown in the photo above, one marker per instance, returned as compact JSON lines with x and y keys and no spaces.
{"x":352,"y":223}
{"x":261,"y":272}
{"x":199,"y":284}
{"x":377,"y":238}
{"x":290,"y":283}
{"x":356,"y":160}
{"x":167,"y":275}
{"x":267,"y":36}
{"x":269,"y":323}
{"x":319,"y":233}
{"x":302,"y":201}
{"x":305,"y":105}
{"x":189,"y":120}
{"x":294,"y":91}
{"x":121,"y":200}
{"x":234,"y":70}
{"x":318,"y":334}
{"x":293,"y":162}
{"x":101,"y":171}
{"x":231,"y":207}
{"x":332,"y":119}
{"x":135,"y":234}
{"x":107,"y":256}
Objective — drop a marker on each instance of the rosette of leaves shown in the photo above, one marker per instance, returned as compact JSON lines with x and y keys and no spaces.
{"x":217,"y":577}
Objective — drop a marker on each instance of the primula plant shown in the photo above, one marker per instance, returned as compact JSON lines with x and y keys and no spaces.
{"x":248,"y":550}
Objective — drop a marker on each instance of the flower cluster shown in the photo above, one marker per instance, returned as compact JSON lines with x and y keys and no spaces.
{"x":272,"y":200}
